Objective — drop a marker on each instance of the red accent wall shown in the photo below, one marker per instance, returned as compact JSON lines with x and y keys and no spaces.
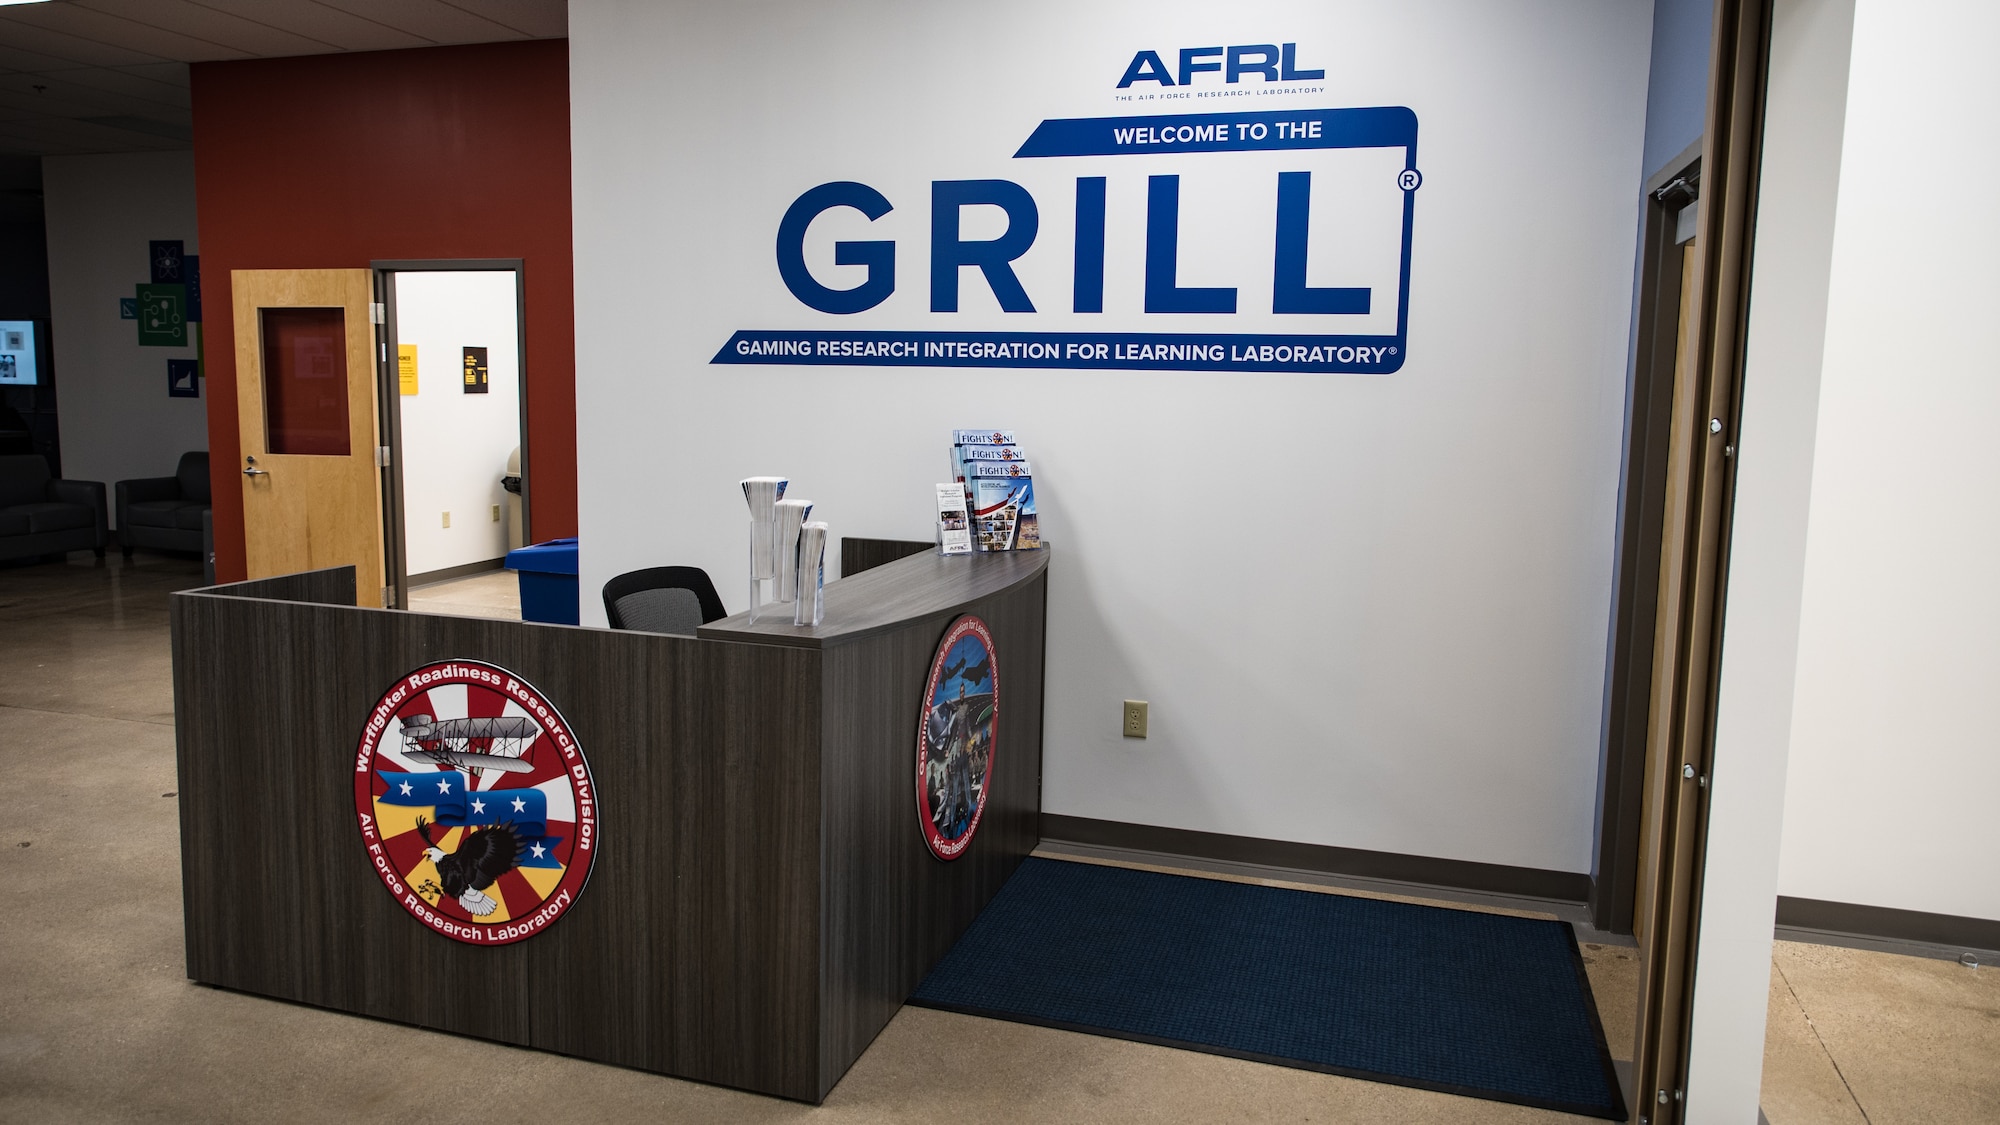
{"x":335,"y":161}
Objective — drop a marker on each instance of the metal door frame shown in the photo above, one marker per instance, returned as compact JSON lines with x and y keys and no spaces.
{"x":396,"y":562}
{"x":1732,"y":148}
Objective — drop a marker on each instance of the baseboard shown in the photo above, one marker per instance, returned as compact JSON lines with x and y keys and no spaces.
{"x":1557,"y":892}
{"x":1887,"y":929}
{"x":448,"y":573}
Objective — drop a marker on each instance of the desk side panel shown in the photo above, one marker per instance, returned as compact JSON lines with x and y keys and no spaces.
{"x":692,"y":950}
{"x":891,"y":909}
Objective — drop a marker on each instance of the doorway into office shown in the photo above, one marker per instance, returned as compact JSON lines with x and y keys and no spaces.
{"x":454,"y":414}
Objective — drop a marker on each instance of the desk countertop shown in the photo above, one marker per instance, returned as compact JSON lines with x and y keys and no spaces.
{"x":886,"y":596}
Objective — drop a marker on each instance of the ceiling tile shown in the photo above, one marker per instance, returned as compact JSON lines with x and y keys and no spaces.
{"x":209,"y":25}
{"x":127,"y":59}
{"x":14,"y":56}
{"x":124,"y":80}
{"x":110,"y":33}
{"x":13,"y":144}
{"x":435,"y":20}
{"x":171,"y":73}
{"x":537,"y":19}
{"x":53,"y":135}
{"x":63,"y":97}
{"x":314,"y":20}
{"x":54,"y":104}
{"x":18,"y":34}
{"x":150,"y":126}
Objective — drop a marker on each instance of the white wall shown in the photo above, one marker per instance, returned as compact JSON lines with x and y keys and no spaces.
{"x":1677,"y":79}
{"x":102,"y":211}
{"x":1800,"y":181}
{"x":1418,"y":666}
{"x":1895,"y":760}
{"x":455,"y":445}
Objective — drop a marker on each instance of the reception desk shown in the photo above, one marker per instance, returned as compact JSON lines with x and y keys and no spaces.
{"x":761,"y":899}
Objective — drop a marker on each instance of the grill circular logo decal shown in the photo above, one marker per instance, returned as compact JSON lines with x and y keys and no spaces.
{"x":955,"y":737}
{"x":475,"y":802}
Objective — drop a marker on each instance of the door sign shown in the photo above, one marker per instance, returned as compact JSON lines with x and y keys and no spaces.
{"x":475,"y":371}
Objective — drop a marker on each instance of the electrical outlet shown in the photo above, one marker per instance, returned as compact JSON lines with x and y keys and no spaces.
{"x":447,"y":519}
{"x":496,"y":513}
{"x":1135,"y":718}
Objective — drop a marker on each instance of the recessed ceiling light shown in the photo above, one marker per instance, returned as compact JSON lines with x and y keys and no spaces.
{"x":11,"y":3}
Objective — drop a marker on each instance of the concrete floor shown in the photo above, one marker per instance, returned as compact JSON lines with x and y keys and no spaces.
{"x":496,"y":593}
{"x":98,"y":1022}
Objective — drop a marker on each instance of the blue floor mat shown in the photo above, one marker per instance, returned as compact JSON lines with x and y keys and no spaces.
{"x":1478,"y":1004}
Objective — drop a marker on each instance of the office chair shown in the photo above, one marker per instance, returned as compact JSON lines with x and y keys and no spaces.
{"x":662,"y":599}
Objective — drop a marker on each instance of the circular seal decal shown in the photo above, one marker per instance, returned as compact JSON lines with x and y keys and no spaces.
{"x":955,"y":737}
{"x":475,"y":802}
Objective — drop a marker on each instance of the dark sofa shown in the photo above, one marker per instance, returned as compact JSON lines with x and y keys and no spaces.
{"x":43,"y":516}
{"x":164,"y":513}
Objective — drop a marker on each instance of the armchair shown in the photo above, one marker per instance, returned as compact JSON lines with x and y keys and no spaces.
{"x":42,"y":516}
{"x":164,"y":513}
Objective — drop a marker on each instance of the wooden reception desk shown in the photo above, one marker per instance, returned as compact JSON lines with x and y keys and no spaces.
{"x":762,"y":900}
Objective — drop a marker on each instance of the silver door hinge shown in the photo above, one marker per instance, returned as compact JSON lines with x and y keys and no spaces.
{"x":381,"y":456}
{"x":377,"y":313}
{"x":388,"y":597}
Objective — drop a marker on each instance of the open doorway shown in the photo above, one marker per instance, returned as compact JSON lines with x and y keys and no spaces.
{"x":455,"y":489}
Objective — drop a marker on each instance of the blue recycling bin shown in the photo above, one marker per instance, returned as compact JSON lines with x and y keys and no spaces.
{"x":547,"y":572}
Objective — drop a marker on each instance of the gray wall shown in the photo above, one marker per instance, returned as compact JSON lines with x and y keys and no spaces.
{"x":1895,"y":766}
{"x":117,"y":421}
{"x":1677,"y":82}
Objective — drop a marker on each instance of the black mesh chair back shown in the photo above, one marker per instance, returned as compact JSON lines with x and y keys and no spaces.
{"x":662,"y":599}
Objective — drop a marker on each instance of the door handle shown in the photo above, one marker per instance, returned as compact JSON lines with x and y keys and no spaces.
{"x":253,"y":470}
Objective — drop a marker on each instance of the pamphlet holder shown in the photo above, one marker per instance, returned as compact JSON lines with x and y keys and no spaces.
{"x":762,"y":494}
{"x":811,"y":606}
{"x":789,"y":516}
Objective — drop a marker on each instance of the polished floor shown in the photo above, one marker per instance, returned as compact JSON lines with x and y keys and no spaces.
{"x":98,"y":1022}
{"x":496,"y":593}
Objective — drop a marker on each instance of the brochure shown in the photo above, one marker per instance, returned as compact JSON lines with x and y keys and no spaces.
{"x":964,"y":441}
{"x":954,"y":527}
{"x":967,"y":452}
{"x":1001,"y":496}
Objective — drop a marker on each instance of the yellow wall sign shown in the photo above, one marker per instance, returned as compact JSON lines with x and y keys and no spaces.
{"x":406,"y":367}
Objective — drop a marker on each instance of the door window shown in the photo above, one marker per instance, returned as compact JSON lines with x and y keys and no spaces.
{"x":305,"y":381}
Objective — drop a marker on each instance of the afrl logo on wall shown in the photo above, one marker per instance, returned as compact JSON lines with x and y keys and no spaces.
{"x":1270,"y":63}
{"x":1333,"y":192}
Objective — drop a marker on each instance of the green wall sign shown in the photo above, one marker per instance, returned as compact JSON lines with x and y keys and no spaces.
{"x":163,"y":321}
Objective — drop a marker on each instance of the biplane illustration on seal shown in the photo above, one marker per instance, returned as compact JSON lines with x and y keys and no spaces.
{"x":484,"y":744}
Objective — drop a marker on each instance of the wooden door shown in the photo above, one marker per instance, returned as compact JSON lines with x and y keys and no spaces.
{"x":1694,"y":559}
{"x":307,"y":418}
{"x":1654,"y":831}
{"x":1663,"y":909}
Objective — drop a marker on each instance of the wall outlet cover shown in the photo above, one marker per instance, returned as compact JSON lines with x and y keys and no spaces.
{"x":1134,"y":725}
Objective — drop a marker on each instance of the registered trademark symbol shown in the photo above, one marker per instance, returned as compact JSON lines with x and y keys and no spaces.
{"x":1392,"y":351}
{"x":1410,"y":179}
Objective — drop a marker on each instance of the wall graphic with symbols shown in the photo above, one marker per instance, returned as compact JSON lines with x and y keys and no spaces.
{"x":475,"y":371}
